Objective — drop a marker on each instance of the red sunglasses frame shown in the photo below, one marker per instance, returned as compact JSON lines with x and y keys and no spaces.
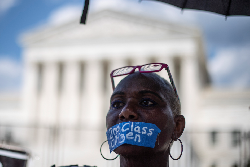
{"x":139,"y":67}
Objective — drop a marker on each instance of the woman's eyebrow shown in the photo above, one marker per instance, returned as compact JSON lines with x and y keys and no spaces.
{"x":117,"y":93}
{"x":148,"y":91}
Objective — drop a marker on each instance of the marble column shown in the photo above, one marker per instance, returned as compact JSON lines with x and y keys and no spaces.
{"x":49,"y":96}
{"x":30,"y":102}
{"x":30,"y":96}
{"x":189,"y":85}
{"x":92,"y":102}
{"x":69,"y":101}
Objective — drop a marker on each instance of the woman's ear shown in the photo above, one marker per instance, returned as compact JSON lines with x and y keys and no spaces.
{"x":179,"y":127}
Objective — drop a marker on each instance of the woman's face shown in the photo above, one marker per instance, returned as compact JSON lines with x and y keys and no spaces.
{"x":140,"y":98}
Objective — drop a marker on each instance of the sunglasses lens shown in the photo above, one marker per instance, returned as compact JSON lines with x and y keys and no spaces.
{"x":151,"y":67}
{"x":122,"y":71}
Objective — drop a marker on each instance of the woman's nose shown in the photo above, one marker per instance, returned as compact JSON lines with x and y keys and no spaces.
{"x":128,"y":113}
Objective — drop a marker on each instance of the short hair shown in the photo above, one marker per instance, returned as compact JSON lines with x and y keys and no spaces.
{"x":172,"y":97}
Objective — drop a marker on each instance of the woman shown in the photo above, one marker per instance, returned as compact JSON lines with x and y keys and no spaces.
{"x":148,"y":98}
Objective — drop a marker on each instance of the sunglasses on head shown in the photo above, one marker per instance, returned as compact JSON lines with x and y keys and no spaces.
{"x":146,"y":68}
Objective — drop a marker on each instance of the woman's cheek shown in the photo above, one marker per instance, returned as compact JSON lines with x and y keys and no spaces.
{"x":111,"y":118}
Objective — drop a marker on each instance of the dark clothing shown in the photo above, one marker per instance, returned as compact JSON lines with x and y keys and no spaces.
{"x":74,"y":166}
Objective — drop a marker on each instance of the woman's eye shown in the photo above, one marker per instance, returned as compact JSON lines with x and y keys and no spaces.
{"x":117,"y":104}
{"x":147,"y":103}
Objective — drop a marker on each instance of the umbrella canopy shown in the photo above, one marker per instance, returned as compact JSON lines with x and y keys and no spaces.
{"x":224,"y":7}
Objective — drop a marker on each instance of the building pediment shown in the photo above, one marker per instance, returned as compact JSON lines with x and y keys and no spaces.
{"x":108,"y":25}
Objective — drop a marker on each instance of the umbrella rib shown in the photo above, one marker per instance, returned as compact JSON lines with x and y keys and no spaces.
{"x":184,"y":4}
{"x":228,"y":8}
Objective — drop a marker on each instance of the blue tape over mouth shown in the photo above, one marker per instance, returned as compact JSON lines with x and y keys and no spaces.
{"x":134,"y":133}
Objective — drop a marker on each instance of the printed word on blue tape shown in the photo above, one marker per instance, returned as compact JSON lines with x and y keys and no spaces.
{"x":134,"y":133}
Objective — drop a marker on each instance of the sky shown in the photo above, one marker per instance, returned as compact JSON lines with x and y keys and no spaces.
{"x":227,"y":42}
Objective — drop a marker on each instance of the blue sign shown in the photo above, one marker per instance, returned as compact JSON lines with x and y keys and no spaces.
{"x":134,"y":133}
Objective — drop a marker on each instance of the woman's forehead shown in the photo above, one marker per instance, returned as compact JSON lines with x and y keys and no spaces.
{"x":137,"y":82}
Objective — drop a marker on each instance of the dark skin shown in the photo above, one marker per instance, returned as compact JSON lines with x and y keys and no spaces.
{"x":140,"y":98}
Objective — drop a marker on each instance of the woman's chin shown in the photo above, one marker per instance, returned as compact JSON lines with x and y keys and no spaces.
{"x":132,"y":150}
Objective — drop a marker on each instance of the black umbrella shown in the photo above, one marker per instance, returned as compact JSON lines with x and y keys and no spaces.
{"x":224,"y":7}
